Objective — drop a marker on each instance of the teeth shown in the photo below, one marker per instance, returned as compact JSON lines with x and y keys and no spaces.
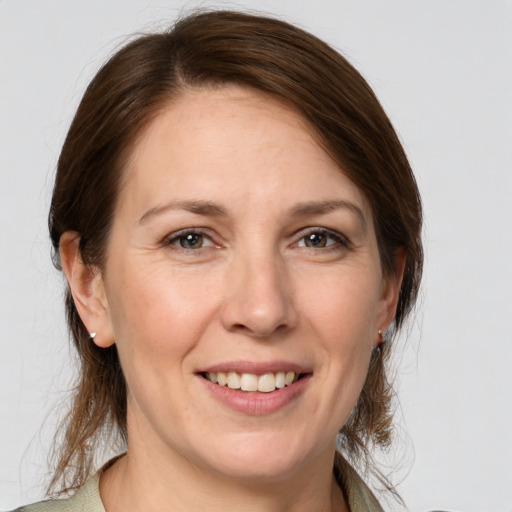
{"x":233,"y":380}
{"x":222,"y":378}
{"x":265,"y":383}
{"x":280,"y":380}
{"x":249,"y":382}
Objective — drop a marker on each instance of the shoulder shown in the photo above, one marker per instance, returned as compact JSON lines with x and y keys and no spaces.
{"x":358,"y":495}
{"x":87,"y":499}
{"x":64,"y":505}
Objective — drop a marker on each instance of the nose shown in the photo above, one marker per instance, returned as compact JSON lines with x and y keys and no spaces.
{"x":258,"y":300}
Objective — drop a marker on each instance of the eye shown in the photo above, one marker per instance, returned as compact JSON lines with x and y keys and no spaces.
{"x":317,"y":238}
{"x":190,"y":240}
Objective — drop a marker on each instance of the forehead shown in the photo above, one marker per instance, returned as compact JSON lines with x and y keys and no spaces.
{"x":210,"y":113}
{"x":234,"y":139}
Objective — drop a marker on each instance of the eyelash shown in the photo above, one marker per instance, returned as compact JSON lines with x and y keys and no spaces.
{"x":174,"y":238}
{"x":339,"y":240}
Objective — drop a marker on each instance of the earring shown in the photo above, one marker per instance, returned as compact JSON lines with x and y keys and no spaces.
{"x":92,"y":335}
{"x":381,"y":337}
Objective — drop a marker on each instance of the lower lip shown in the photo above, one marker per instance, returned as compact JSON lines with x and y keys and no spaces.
{"x":253,"y":403}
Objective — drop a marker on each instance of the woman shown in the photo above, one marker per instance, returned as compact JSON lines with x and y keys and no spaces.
{"x":240,"y":232}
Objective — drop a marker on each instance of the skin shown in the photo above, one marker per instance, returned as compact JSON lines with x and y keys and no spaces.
{"x":254,"y":291}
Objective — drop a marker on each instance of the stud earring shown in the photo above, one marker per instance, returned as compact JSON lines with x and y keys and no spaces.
{"x":381,"y":337}
{"x":92,"y":335}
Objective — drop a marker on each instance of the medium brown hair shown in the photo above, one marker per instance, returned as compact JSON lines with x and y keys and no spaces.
{"x":209,"y":49}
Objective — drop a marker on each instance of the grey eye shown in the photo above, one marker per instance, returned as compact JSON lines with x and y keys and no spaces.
{"x":316,"y":240}
{"x":190,"y":241}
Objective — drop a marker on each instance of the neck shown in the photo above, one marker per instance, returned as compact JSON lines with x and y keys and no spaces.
{"x":142,"y":482}
{"x":155,"y":475}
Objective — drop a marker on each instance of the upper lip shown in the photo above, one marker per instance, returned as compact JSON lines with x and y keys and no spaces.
{"x":256,"y":368}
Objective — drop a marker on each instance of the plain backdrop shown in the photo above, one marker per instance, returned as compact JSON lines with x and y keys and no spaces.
{"x":443,"y":71}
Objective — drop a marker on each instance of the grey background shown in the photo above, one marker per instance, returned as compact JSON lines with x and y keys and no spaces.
{"x":443,"y":71}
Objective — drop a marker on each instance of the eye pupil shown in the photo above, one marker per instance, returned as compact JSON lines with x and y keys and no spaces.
{"x":191,"y":241}
{"x":316,"y":240}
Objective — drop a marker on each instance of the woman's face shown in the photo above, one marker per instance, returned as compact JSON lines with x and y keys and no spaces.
{"x":239,"y":251}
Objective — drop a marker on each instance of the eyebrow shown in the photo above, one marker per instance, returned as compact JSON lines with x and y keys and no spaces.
{"x":197,"y":206}
{"x":323,"y":207}
{"x":208,"y":208}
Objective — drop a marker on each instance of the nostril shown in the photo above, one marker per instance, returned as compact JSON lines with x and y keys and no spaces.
{"x":258,"y":303}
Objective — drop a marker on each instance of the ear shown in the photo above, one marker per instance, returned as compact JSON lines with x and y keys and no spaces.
{"x":391,"y":285}
{"x":88,"y":290}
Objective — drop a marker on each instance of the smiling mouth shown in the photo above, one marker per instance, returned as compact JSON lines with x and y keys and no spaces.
{"x":250,"y":382}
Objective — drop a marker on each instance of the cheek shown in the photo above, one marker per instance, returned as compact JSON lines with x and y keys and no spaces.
{"x":342,"y":318}
{"x":344,"y":309}
{"x":159,"y":311}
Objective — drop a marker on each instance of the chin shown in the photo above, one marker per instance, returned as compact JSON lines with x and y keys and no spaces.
{"x":261,"y":459}
{"x":257,"y":469}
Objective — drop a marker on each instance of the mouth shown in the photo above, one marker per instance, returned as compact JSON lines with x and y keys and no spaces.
{"x":254,"y":383}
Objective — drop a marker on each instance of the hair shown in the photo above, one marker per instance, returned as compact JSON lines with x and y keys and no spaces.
{"x":203,"y":50}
